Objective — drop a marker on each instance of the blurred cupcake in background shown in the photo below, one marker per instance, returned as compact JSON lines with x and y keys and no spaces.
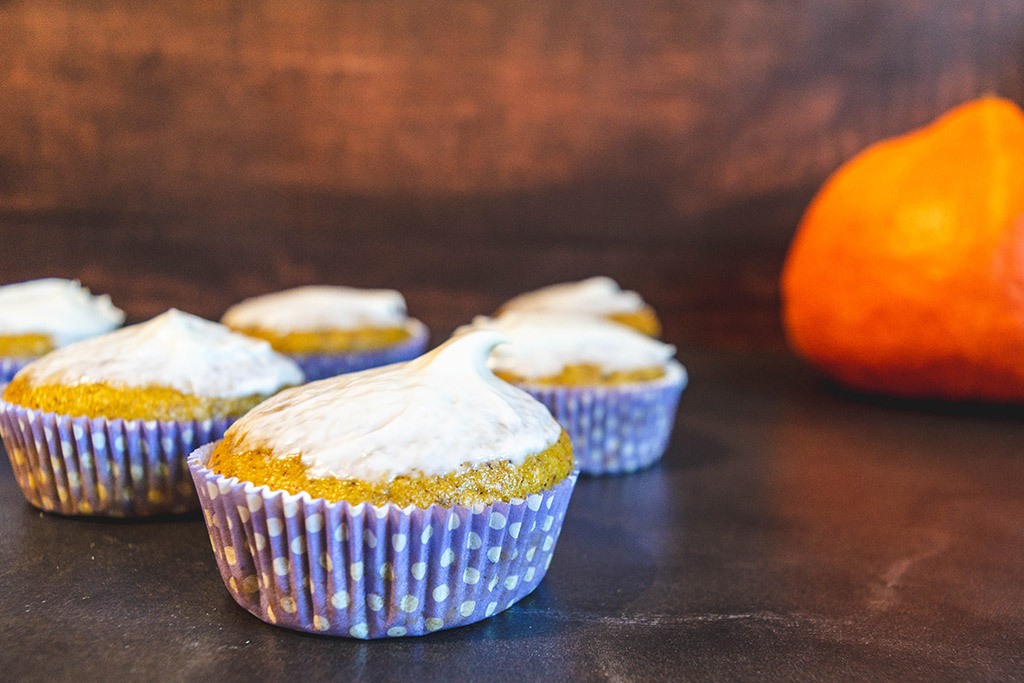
{"x":614,"y":390}
{"x":103,"y":426}
{"x":332,"y":330}
{"x":596,"y":296}
{"x":41,"y":315}
{"x":396,"y":501}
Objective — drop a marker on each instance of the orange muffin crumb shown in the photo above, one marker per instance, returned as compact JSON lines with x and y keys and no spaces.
{"x":587,"y":375}
{"x":644,"y":320}
{"x":485,"y":484}
{"x":329,"y":341}
{"x":25,"y":345}
{"x":130,"y":403}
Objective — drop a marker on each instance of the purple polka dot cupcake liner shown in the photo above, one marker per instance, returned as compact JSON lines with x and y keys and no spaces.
{"x":101,"y":467}
{"x":616,"y":429}
{"x":10,"y":365}
{"x":367,"y":571}
{"x":323,"y":365}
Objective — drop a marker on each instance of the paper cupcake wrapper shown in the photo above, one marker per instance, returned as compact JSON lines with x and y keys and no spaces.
{"x":323,"y":365}
{"x":367,"y":571}
{"x":95,"y":466}
{"x":10,"y":365}
{"x":616,"y":429}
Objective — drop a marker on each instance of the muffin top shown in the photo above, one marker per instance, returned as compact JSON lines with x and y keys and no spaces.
{"x":544,"y":344}
{"x":63,"y":310}
{"x":174,"y":350}
{"x":439,"y":414}
{"x":599,"y":296}
{"x":319,"y":307}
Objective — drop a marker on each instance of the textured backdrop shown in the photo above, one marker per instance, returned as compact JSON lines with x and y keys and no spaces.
{"x":190,"y":153}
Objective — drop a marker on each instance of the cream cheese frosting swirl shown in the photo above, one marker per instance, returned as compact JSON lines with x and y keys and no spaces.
{"x":593,"y":296}
{"x":542,"y":344}
{"x":319,"y":307}
{"x":63,"y":310}
{"x":176,"y":350}
{"x":441,"y":413}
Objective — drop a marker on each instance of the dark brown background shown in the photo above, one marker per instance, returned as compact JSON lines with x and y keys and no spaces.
{"x":193,"y":152}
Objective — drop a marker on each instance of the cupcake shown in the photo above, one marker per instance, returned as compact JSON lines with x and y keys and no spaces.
{"x":103,"y":426}
{"x":389,"y":502}
{"x":614,"y":390}
{"x":41,"y":315}
{"x":332,"y":330}
{"x":596,"y":296}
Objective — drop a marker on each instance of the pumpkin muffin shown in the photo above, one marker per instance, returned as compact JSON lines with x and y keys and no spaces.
{"x":597,"y":296}
{"x":41,"y":315}
{"x":103,"y":426}
{"x":332,"y":330}
{"x":613,"y":389}
{"x":430,"y":493}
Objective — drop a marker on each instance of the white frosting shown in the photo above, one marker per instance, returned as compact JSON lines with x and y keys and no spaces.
{"x":176,"y":350}
{"x":542,"y":344}
{"x":63,"y":310}
{"x":319,"y":308}
{"x":440,"y":413}
{"x":593,"y":296}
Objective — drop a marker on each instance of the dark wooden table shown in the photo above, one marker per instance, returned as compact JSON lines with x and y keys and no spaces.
{"x":791,"y":532}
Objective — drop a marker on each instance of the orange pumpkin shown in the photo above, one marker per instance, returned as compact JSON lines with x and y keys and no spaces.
{"x":906,"y":275}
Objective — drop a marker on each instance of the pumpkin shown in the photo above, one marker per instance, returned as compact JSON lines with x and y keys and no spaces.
{"x":906,"y":274}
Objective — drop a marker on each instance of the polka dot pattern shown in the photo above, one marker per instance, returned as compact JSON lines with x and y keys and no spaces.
{"x":111,"y":468}
{"x":617,"y":429}
{"x":369,"y":572}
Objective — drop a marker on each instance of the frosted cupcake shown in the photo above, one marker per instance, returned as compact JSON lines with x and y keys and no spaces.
{"x":394,"y":501}
{"x":41,"y":315}
{"x":614,"y":390}
{"x":332,"y":330}
{"x":596,"y":296}
{"x":103,"y":426}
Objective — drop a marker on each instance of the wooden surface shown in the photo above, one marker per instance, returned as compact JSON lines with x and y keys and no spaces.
{"x":189,"y":153}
